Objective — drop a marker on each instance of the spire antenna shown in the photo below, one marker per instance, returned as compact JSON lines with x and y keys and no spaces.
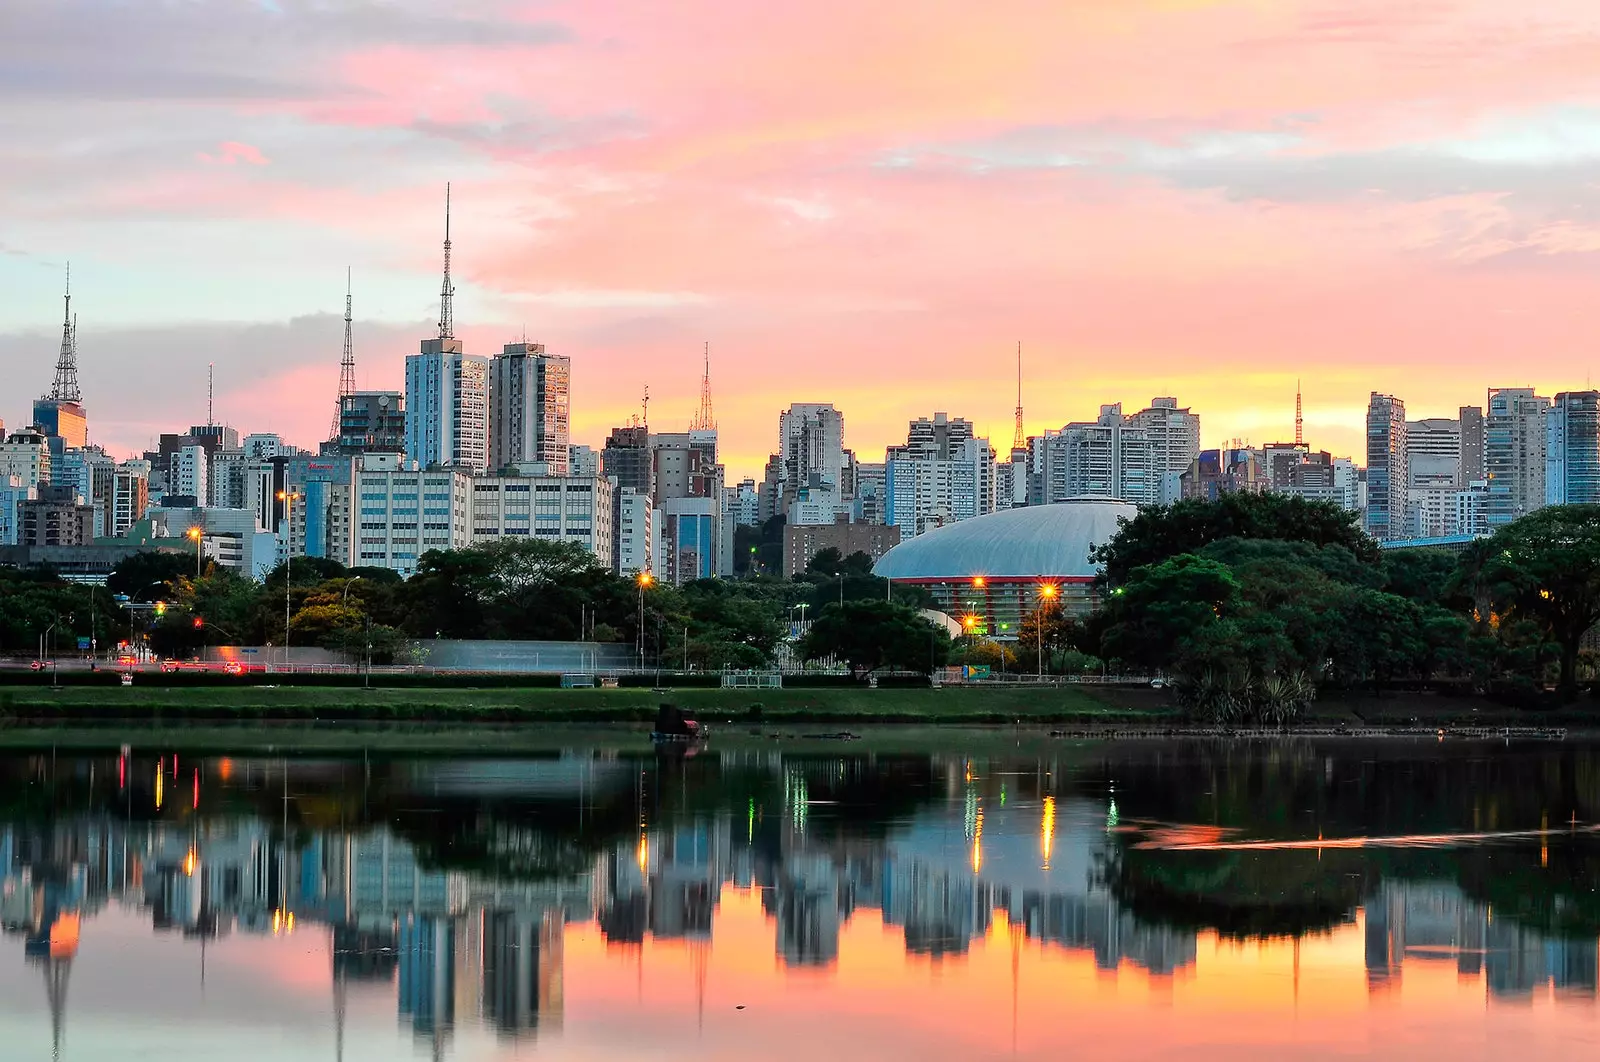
{"x":647,"y":408}
{"x":447,"y":293}
{"x":347,"y":365}
{"x":65,"y":388}
{"x":211,"y":393}
{"x":1019,"y":440}
{"x":705,"y":419}
{"x":1299,"y":417}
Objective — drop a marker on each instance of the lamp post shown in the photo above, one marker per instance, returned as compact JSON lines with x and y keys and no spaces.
{"x":348,"y":583}
{"x":644,"y":579}
{"x":288,"y":497}
{"x":197,"y":536}
{"x":1047,"y":592}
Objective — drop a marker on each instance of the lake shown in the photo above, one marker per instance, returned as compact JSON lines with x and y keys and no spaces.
{"x":1135,"y":900}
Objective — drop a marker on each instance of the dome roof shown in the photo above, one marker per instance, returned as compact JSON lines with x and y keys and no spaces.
{"x":1051,"y":541}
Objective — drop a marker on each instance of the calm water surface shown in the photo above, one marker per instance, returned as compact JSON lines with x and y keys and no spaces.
{"x":1222,"y":901}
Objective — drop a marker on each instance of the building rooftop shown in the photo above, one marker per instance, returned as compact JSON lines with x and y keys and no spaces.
{"x":1039,"y":541}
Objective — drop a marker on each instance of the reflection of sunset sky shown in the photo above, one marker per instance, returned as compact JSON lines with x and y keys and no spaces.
{"x":1404,"y":975}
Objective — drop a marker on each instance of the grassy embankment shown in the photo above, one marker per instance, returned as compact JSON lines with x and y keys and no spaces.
{"x":149,"y":703}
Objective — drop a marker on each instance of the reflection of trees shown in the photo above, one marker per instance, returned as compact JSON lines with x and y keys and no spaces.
{"x":1303,"y":789}
{"x":1240,"y":894}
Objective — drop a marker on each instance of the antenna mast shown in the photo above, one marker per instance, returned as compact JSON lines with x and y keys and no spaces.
{"x":447,"y":293}
{"x":65,"y":387}
{"x":211,"y":392}
{"x":347,"y":366}
{"x":705,"y":420}
{"x":647,"y":408}
{"x":1299,"y":418}
{"x":1019,"y":440}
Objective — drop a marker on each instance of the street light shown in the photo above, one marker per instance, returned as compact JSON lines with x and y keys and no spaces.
{"x":288,"y":497}
{"x":644,"y":579}
{"x":1047,"y":592}
{"x":348,"y":583}
{"x":197,"y":536}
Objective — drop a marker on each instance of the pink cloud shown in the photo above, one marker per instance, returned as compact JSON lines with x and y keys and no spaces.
{"x":231,"y":153}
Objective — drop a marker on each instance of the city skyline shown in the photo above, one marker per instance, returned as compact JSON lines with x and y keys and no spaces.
{"x":881,"y":241}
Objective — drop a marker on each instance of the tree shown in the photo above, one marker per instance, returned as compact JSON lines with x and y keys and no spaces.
{"x":135,"y":574}
{"x":1544,"y":569}
{"x":1162,"y":531}
{"x":1040,"y":647}
{"x":872,"y":634}
{"x":1162,"y":605}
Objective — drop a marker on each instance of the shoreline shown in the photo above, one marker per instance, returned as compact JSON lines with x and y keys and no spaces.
{"x":489,"y":740}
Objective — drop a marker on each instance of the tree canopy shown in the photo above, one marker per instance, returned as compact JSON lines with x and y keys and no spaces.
{"x":873,"y":634}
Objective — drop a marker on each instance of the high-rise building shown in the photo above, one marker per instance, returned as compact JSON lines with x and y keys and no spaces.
{"x":941,"y":476}
{"x":1387,"y":472}
{"x":549,"y":508}
{"x":90,"y":472}
{"x":626,"y":459}
{"x":56,"y":517}
{"x":26,"y":454}
{"x":59,"y":415}
{"x":447,"y":407}
{"x":1433,"y":453}
{"x":189,"y":477}
{"x":447,"y":391}
{"x":811,"y":445}
{"x":13,"y":492}
{"x":1514,"y":453}
{"x":1108,"y":459}
{"x":372,"y":422}
{"x":1214,"y":473}
{"x":1471,"y":420}
{"x":1572,"y":449}
{"x":634,"y":537}
{"x":684,"y":465}
{"x":401,"y":513}
{"x":529,"y":408}
{"x":130,"y":496}
{"x":1174,"y":435}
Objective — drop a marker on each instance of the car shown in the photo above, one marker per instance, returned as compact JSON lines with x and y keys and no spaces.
{"x":37,"y":665}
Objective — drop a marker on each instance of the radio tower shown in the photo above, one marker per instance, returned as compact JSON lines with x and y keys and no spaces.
{"x":1019,"y":440}
{"x":705,"y":420}
{"x":1299,"y":418}
{"x":447,"y":293}
{"x":347,"y":366}
{"x":65,"y":388}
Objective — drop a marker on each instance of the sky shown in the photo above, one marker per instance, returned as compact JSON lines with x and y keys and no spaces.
{"x":865,"y":203}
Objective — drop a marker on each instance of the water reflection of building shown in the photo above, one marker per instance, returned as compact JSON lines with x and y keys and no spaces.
{"x":1433,"y":921}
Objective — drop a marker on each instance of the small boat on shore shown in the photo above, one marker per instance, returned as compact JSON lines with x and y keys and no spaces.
{"x":676,"y":726}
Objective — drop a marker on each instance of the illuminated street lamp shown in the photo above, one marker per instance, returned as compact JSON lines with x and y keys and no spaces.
{"x":644,"y":579}
{"x":197,"y":536}
{"x":1047,"y":592}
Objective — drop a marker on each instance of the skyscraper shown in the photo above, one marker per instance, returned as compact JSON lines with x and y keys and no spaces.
{"x":1514,"y":453}
{"x":59,"y":414}
{"x":1471,"y":420}
{"x":447,"y":391}
{"x":1572,"y":449}
{"x":529,"y":408}
{"x":1174,"y":435}
{"x":1387,"y":473}
{"x":1433,"y":453}
{"x":811,"y":446}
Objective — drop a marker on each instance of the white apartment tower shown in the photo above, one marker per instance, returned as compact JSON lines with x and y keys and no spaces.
{"x":811,"y":445}
{"x":529,"y":408}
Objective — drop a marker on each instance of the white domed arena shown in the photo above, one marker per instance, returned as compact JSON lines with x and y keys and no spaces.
{"x":990,"y":571}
